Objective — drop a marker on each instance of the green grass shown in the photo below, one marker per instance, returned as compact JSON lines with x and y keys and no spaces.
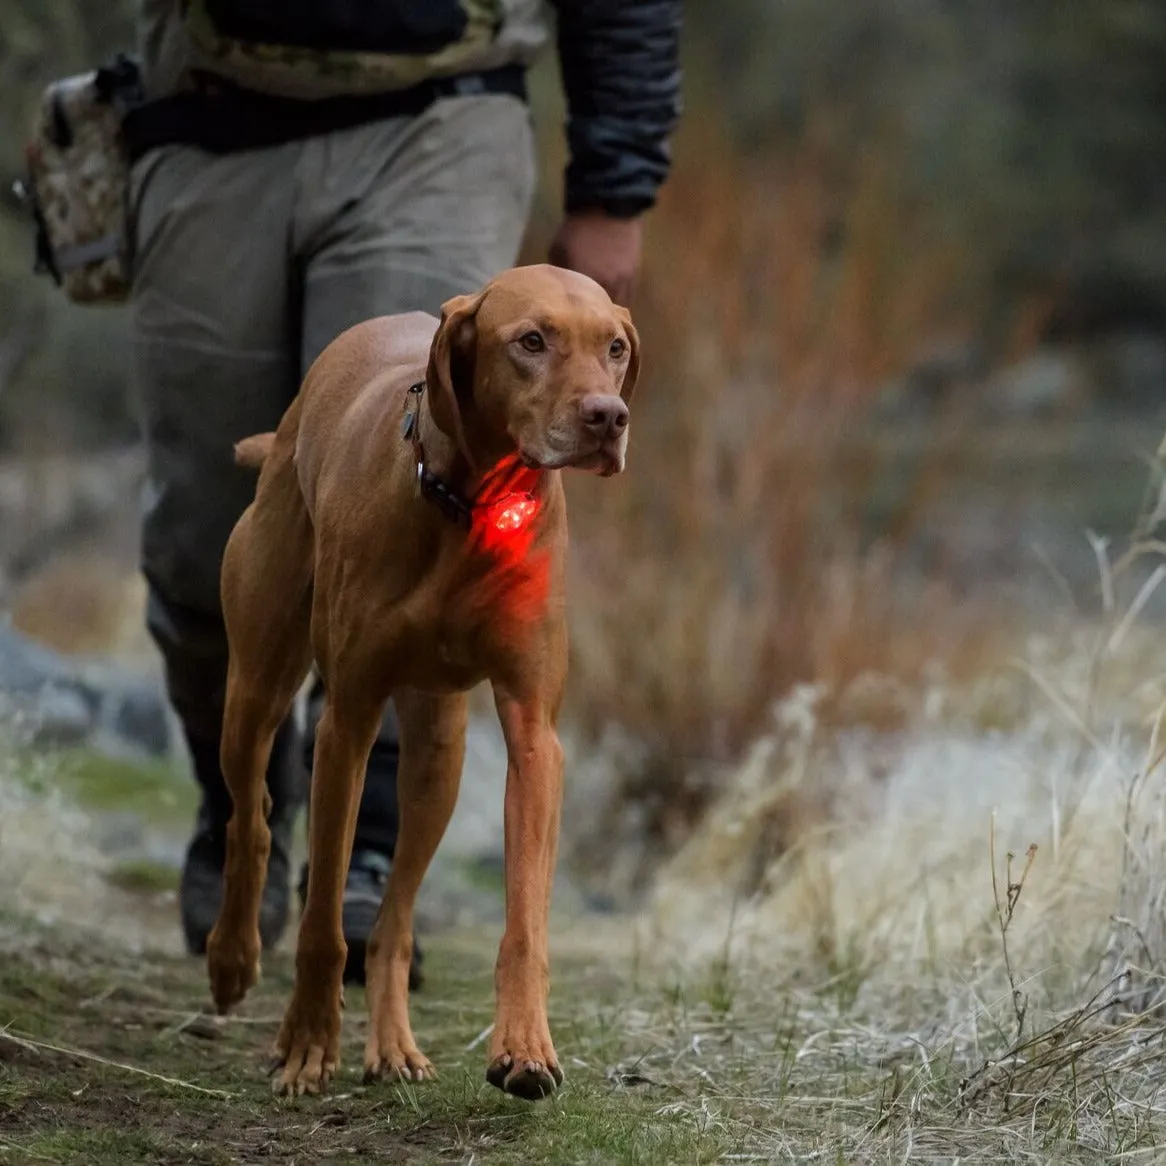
{"x":79,"y":996}
{"x":155,"y":791}
{"x":143,"y":876}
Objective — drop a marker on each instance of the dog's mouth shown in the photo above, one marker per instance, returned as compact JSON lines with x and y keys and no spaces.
{"x":605,"y":459}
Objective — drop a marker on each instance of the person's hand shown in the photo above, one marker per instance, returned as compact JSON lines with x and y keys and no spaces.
{"x":605,"y":248}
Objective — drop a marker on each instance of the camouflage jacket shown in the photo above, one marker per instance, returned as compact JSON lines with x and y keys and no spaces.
{"x":619,"y":61}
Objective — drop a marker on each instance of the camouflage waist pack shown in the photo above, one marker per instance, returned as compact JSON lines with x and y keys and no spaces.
{"x":78,"y":181}
{"x":311,"y":50}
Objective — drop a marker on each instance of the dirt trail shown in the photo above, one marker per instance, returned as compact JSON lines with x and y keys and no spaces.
{"x":108,"y":1053}
{"x":91,"y":963}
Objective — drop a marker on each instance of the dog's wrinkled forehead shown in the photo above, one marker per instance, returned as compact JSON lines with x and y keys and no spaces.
{"x":550,"y":297}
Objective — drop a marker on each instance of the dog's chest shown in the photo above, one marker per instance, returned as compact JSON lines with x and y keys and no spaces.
{"x":474,"y":626}
{"x":452,"y":656}
{"x":458,"y":659}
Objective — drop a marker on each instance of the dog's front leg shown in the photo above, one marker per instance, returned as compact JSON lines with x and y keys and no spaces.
{"x":308,"y":1045}
{"x":522,"y":1055}
{"x":433,"y":744}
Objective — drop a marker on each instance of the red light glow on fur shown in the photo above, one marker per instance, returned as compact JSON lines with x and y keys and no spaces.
{"x":506,"y":528}
{"x":506,"y":511}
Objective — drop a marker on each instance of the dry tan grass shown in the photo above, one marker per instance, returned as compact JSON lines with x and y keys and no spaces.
{"x":975,"y":917}
{"x":85,"y":602}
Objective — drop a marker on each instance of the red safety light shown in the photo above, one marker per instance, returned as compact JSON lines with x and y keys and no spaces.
{"x":506,"y":527}
{"x":514,"y":512}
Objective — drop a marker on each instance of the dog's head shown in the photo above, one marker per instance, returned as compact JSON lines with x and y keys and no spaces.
{"x":540,"y":361}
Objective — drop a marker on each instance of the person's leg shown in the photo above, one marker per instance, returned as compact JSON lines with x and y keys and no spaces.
{"x":400,"y":216}
{"x":216,"y":349}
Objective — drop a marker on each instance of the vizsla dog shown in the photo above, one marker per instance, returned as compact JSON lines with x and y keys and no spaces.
{"x":408,"y":534}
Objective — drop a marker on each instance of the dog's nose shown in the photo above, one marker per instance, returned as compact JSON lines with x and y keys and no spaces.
{"x":604,"y":413}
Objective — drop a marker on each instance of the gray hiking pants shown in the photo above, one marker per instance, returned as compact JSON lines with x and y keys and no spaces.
{"x":247,"y":265}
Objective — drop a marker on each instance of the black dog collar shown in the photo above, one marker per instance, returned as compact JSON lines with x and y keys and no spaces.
{"x":456,"y":508}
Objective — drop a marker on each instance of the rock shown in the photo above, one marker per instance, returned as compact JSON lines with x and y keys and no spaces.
{"x":56,"y":715}
{"x":1048,"y":382}
{"x":26,"y":667}
{"x":58,"y":700}
{"x":938,"y":370}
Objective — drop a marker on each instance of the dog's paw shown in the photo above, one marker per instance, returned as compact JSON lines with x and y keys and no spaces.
{"x":524,"y":1064}
{"x":396,"y":1060}
{"x":307,"y":1069}
{"x":307,"y":1050}
{"x":525,"y":1077}
{"x":233,"y":966}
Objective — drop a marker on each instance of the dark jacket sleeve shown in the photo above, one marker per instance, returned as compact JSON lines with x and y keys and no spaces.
{"x":620,"y":61}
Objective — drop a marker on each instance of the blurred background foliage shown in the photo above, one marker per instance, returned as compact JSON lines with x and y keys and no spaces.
{"x":1029,"y":138}
{"x":904,"y":298}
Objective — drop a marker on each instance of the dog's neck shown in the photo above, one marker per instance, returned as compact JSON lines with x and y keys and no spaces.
{"x":447,"y":479}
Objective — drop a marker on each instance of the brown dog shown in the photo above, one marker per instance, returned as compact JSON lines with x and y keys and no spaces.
{"x":408,"y":534}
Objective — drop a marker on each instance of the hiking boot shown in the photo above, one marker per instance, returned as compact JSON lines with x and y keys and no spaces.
{"x":200,"y":892}
{"x":368,"y":873}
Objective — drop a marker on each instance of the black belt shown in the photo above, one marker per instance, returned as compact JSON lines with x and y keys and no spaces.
{"x":242,"y":119}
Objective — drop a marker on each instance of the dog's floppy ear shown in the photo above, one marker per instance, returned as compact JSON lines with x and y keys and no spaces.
{"x":451,"y":367}
{"x":633,"y":370}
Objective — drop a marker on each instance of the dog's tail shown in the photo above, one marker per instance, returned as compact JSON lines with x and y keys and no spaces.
{"x":253,"y":451}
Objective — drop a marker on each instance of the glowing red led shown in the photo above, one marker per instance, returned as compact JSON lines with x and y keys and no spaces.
{"x":505,"y":511}
{"x":514,"y":515}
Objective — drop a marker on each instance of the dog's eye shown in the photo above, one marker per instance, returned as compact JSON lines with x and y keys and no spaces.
{"x":533,"y":342}
{"x":617,"y":349}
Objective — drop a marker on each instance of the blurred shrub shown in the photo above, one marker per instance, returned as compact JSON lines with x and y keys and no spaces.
{"x":728,"y":564}
{"x":1037,"y":129}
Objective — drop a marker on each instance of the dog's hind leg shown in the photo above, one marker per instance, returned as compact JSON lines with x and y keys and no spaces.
{"x":308,"y":1044}
{"x":267,"y":597}
{"x":433,"y":739}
